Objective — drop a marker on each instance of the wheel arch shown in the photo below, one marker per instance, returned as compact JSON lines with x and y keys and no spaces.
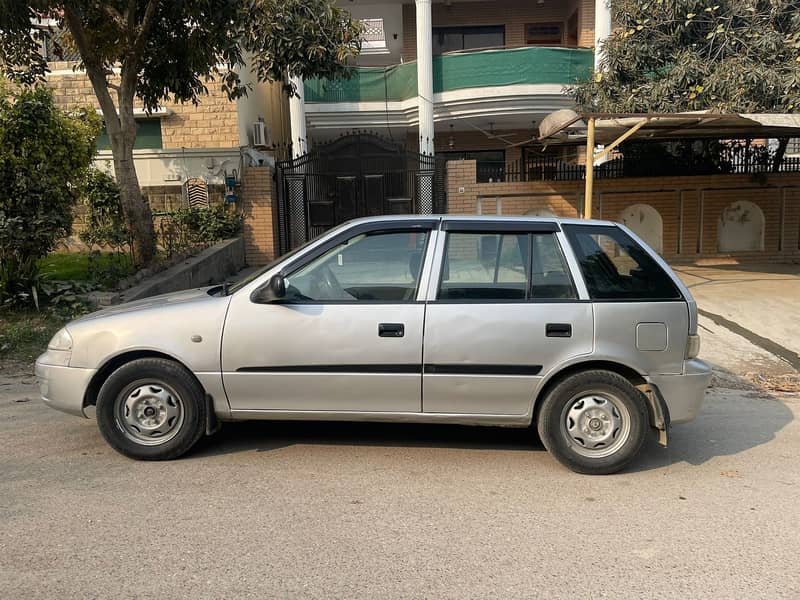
{"x":656,"y":407}
{"x":115,"y":362}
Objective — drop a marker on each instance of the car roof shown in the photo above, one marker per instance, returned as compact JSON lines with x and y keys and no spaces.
{"x":479,"y":219}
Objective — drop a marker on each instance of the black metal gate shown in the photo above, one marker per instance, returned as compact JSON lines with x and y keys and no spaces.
{"x":357,"y":175}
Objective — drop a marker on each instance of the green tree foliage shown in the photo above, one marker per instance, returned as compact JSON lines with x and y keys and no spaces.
{"x":684,"y":55}
{"x":105,"y":222}
{"x":44,"y":157}
{"x":169,"y":50}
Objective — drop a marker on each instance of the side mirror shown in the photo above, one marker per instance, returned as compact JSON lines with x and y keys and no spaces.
{"x":272,"y":291}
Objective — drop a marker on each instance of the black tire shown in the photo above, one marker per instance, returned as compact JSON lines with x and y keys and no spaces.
{"x":176,"y":402}
{"x":586,"y":400}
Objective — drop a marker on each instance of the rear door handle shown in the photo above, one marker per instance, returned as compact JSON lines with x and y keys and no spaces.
{"x":391,"y":329}
{"x":558,"y":330}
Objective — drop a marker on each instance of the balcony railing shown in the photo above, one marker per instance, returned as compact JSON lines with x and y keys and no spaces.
{"x":549,"y":168}
{"x":463,"y":70}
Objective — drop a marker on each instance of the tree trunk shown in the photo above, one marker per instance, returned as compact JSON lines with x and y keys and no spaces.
{"x":137,"y":213}
{"x":121,"y":128}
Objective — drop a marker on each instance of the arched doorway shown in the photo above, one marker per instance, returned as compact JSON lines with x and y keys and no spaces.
{"x":646,"y":222}
{"x":741,"y":228}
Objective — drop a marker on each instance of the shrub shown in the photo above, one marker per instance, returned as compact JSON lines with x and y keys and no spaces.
{"x":44,"y":156}
{"x":188,"y":228}
{"x":106,"y":228}
{"x":105,"y":222}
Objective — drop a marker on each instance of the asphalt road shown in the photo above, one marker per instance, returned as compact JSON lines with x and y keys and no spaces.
{"x":307,"y":510}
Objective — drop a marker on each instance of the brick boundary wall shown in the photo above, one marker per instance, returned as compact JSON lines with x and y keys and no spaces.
{"x":690,"y":207}
{"x":259,"y":207}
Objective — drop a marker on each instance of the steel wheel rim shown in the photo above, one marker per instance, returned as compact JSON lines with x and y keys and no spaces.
{"x":149,"y":413}
{"x":595,"y":424}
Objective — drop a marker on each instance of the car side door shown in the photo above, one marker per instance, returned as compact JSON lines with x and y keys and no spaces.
{"x":346,"y":337}
{"x":504,"y":312}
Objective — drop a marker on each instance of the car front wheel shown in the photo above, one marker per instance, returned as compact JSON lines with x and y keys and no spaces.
{"x":151,"y":409}
{"x":593,"y":422}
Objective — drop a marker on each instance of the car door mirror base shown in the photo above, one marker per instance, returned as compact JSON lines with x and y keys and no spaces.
{"x":272,"y":291}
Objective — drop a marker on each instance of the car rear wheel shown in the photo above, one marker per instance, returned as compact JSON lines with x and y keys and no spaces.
{"x":151,"y":409}
{"x":593,"y":422}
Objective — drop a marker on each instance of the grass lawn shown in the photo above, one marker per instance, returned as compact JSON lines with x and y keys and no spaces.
{"x":80,"y":266}
{"x":24,"y":334}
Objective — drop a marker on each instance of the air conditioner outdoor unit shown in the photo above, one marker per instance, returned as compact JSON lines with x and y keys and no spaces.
{"x":260,"y":134}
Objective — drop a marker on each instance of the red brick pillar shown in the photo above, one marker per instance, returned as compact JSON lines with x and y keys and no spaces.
{"x":461,"y":178}
{"x":259,"y":208}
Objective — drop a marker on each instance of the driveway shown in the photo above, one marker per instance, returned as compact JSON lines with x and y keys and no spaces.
{"x":760,"y":303}
{"x":314,"y":510}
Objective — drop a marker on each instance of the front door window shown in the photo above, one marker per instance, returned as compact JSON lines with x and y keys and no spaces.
{"x":380,"y":267}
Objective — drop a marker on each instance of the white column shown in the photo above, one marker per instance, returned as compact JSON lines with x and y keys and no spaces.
{"x":425,"y":75}
{"x":297,"y":118}
{"x":602,"y":29}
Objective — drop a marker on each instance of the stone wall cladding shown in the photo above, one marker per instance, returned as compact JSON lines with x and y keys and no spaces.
{"x":690,"y":207}
{"x":211,"y":124}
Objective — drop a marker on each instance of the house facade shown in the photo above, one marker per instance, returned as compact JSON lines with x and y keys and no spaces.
{"x":183,"y":142}
{"x":460,"y":79}
{"x":441,"y":113}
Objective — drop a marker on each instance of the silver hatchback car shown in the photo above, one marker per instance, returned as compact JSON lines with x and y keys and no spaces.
{"x":576,"y":327}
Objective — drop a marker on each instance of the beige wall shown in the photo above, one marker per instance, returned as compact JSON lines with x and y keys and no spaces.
{"x":691,"y":207}
{"x":213,"y":123}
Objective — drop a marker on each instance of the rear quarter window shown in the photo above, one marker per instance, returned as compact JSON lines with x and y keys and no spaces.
{"x":615,"y":267}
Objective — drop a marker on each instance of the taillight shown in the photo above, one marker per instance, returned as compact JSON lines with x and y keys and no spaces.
{"x":693,"y":346}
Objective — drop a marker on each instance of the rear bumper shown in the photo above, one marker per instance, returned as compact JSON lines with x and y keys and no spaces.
{"x":63,"y":388}
{"x":683,"y":394}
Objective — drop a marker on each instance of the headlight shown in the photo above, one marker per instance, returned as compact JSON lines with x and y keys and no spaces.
{"x":62,"y":340}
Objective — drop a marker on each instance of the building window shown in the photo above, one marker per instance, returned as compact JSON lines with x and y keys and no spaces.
{"x":452,"y":39}
{"x":373,"y":38}
{"x":490,"y":165}
{"x":55,"y":45}
{"x":544,"y":34}
{"x":793,"y":148}
{"x":148,"y":136}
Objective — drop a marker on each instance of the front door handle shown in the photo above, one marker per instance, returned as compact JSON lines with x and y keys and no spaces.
{"x":558,"y":330}
{"x":391,"y":329}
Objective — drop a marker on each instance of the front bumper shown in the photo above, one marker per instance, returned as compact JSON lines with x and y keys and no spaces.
{"x":63,"y":388}
{"x":684,"y":393}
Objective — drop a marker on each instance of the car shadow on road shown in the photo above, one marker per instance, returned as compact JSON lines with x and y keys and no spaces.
{"x":264,"y":436}
{"x":731,"y":421}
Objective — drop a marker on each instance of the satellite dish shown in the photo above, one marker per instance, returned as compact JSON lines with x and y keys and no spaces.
{"x":556,"y":122}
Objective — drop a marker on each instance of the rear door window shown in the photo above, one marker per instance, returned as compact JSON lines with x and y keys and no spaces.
{"x":485,"y":266}
{"x":550,"y":278}
{"x":615,"y":267}
{"x":511,"y":267}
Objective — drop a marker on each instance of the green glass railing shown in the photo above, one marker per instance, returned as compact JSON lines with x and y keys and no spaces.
{"x":488,"y":68}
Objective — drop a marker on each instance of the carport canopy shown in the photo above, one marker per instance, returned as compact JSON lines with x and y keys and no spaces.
{"x":567,"y":127}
